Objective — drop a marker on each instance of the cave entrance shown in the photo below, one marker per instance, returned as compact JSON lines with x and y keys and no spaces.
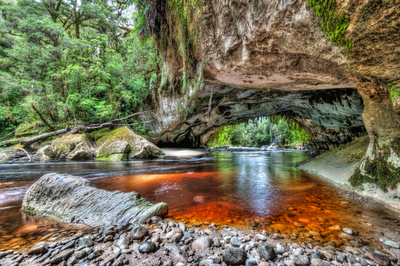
{"x":331,"y":116}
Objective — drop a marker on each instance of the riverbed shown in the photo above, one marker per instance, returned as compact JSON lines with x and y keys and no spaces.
{"x":248,"y":190}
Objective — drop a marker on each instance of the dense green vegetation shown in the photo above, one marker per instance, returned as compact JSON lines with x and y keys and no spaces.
{"x":264,"y":131}
{"x":394,"y":92}
{"x":70,"y":62}
{"x":334,"y":23}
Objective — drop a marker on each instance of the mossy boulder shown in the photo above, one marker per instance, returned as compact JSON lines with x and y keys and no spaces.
{"x":70,"y":147}
{"x":12,"y":153}
{"x":122,"y":143}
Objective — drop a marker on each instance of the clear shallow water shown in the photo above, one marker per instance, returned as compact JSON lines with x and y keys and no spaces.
{"x":262,"y":190}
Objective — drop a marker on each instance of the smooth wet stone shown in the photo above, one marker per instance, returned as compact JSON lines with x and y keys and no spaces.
{"x":345,"y":236}
{"x":319,"y":262}
{"x":147,"y":247}
{"x":168,"y":263}
{"x":39,"y":248}
{"x":72,"y":260}
{"x":280,"y":248}
{"x":123,"y":242}
{"x":350,"y":231}
{"x":83,"y":253}
{"x":391,"y":243}
{"x":139,"y":232}
{"x":300,"y":259}
{"x":70,"y":244}
{"x":64,"y":255}
{"x":96,"y":253}
{"x":86,"y":242}
{"x":251,"y":262}
{"x":202,"y":243}
{"x":318,"y":255}
{"x":3,"y":254}
{"x":335,"y":228}
{"x":378,"y":258}
{"x":176,"y":253}
{"x":182,"y":226}
{"x":236,"y":242}
{"x":234,"y":256}
{"x":266,"y":252}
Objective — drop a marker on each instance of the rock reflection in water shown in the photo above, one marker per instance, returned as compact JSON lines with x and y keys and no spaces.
{"x":247,"y":190}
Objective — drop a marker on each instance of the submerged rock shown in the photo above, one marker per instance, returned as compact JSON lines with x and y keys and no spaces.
{"x":122,"y":143}
{"x":63,"y":197}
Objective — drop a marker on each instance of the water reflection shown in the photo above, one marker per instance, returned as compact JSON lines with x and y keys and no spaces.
{"x":258,"y":189}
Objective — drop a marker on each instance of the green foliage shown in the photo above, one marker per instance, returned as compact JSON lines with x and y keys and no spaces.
{"x":76,"y":62}
{"x":333,"y":23}
{"x":170,"y":25}
{"x":394,"y":92}
{"x":264,"y":131}
{"x":379,"y":172}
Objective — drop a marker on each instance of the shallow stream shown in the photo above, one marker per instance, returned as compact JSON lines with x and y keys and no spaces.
{"x":254,"y":190}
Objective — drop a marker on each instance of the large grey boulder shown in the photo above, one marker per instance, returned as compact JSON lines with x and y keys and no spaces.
{"x":63,"y":197}
{"x":122,"y":143}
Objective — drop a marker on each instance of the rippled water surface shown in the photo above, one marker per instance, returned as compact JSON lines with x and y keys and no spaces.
{"x":260,"y":190}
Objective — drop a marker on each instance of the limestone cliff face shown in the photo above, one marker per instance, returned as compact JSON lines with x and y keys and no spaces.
{"x":258,"y":47}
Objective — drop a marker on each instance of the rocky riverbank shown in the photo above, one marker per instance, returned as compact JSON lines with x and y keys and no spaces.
{"x":167,"y":243}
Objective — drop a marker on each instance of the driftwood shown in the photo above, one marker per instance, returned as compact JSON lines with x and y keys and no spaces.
{"x":30,"y":158}
{"x":27,"y":141}
{"x":106,"y":124}
{"x":8,"y":134}
{"x":82,"y":127}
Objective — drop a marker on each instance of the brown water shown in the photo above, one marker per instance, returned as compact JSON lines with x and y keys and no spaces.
{"x":259,"y":190}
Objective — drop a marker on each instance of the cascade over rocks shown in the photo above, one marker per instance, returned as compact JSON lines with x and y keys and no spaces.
{"x":64,"y":197}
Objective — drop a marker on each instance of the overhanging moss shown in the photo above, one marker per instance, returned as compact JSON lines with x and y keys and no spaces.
{"x":334,"y":24}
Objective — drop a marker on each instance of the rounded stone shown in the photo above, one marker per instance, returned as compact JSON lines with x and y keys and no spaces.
{"x":147,"y":247}
{"x":202,"y":243}
{"x":236,"y":242}
{"x":234,"y":256}
{"x":39,"y":248}
{"x":266,"y":252}
{"x":87,"y":242}
{"x":139,"y":232}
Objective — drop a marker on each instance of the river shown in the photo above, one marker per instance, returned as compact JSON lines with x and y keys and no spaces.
{"x":251,"y":190}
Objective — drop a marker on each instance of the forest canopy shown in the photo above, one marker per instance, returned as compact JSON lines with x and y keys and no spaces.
{"x":71,"y":62}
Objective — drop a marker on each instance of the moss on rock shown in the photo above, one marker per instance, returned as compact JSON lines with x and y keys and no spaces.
{"x":378,"y":171}
{"x":122,"y":143}
{"x":71,"y":147}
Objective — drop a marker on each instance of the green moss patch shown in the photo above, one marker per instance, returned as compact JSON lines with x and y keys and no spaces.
{"x":382,"y":174}
{"x":99,"y":133}
{"x":334,"y":24}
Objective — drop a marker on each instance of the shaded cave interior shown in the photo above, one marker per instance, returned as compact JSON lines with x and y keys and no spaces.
{"x":331,"y":117}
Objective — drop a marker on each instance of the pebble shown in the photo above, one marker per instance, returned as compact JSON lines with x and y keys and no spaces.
{"x":234,"y":256}
{"x":391,"y":243}
{"x":64,"y":255}
{"x":39,"y":248}
{"x":251,"y":262}
{"x":86,"y":242}
{"x":266,"y":252}
{"x":350,"y":231}
{"x":202,"y":243}
{"x":138,"y":232}
{"x":378,"y":258}
{"x":147,"y":247}
{"x":335,"y":228}
{"x":319,"y":262}
{"x":236,"y":242}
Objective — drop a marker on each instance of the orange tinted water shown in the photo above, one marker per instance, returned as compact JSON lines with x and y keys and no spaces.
{"x":248,"y":190}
